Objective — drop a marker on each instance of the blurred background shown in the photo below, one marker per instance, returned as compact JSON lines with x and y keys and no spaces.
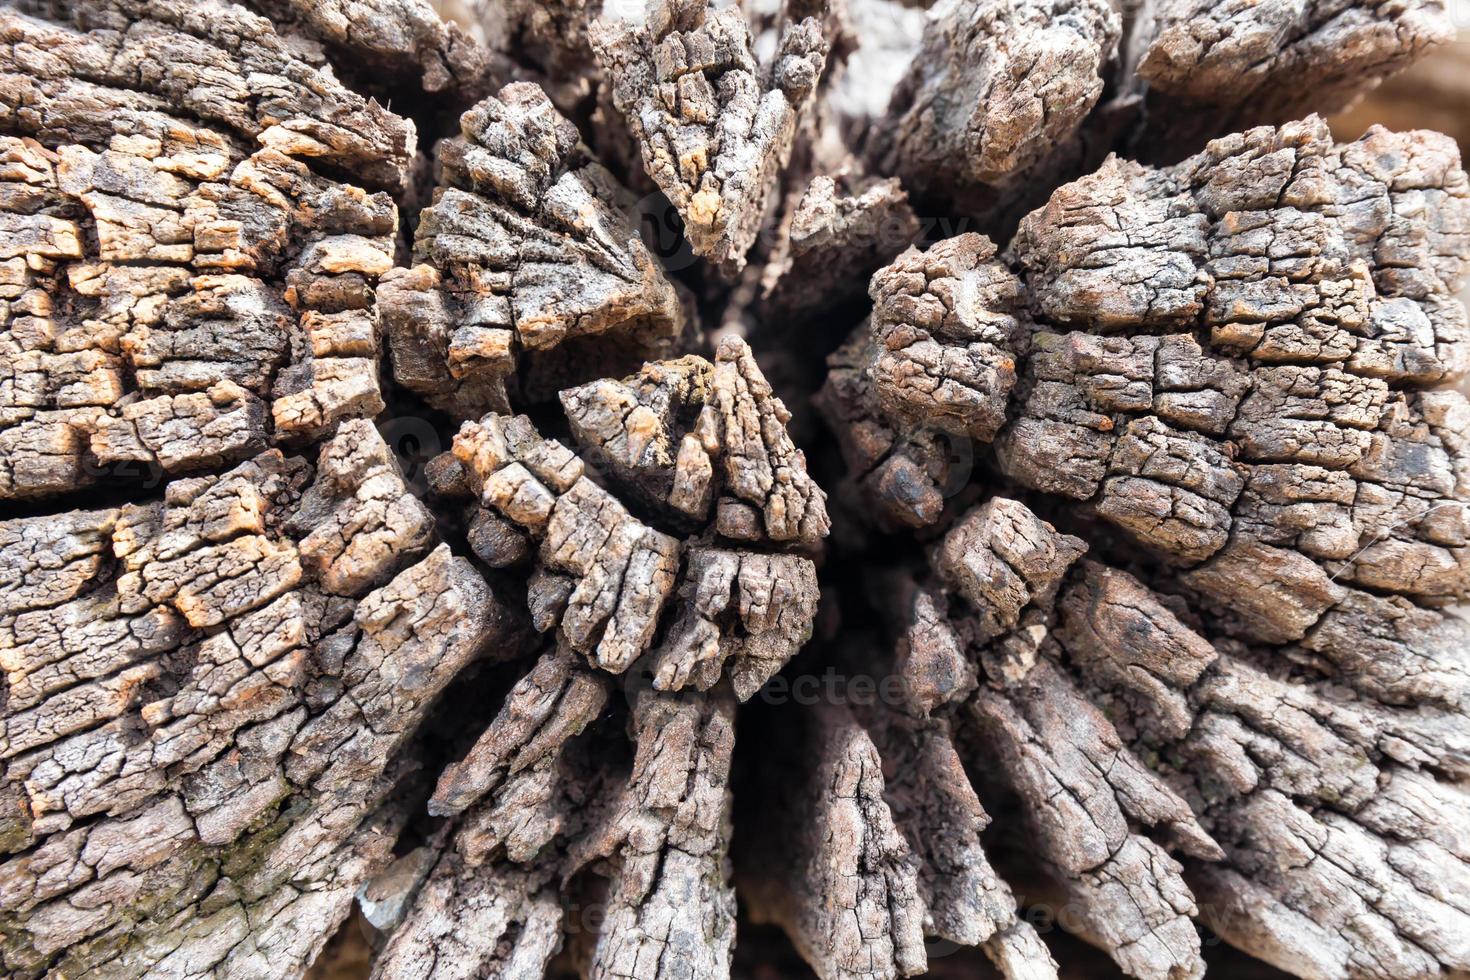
{"x":1434,"y":94}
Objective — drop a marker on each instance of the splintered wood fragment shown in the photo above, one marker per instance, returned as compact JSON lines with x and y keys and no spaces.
{"x":932,"y":370}
{"x":994,"y":100}
{"x":1284,"y":761}
{"x":1060,"y":755}
{"x":619,"y":570}
{"x":358,"y":518}
{"x":714,"y":125}
{"x":844,"y":883}
{"x":666,"y":833}
{"x":1082,"y":788}
{"x":937,"y":811}
{"x":842,"y":230}
{"x":1008,"y":564}
{"x":525,"y":258}
{"x":705,"y":445}
{"x":1212,"y":68}
{"x":1079,"y":784}
{"x":773,"y":599}
{"x":556,"y":806}
{"x":476,"y":919}
{"x":770,"y":493}
{"x":552,"y":703}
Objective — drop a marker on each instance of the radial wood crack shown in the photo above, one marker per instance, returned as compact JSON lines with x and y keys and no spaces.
{"x":577,"y":480}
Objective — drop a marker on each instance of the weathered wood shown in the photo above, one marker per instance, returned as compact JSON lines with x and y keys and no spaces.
{"x":1147,"y":513}
{"x":1229,"y":378}
{"x":714,"y":126}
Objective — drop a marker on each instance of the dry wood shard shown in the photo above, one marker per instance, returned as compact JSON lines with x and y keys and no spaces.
{"x":703,"y":442}
{"x":994,"y":99}
{"x":525,"y":254}
{"x":714,"y":125}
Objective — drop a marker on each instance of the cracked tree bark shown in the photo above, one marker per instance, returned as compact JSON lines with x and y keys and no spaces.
{"x":380,"y":528}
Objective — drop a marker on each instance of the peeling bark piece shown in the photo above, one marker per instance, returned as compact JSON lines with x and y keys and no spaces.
{"x":848,"y":892}
{"x":661,"y":837}
{"x":993,"y":101}
{"x":621,"y":570}
{"x":527,"y":248}
{"x":1240,"y":65}
{"x":491,"y":905}
{"x":715,"y":127}
{"x":753,"y":611}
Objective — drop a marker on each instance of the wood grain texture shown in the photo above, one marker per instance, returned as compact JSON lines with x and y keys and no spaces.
{"x":565,"y":489}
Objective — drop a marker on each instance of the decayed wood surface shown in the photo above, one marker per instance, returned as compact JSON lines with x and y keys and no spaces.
{"x":1051,"y":362}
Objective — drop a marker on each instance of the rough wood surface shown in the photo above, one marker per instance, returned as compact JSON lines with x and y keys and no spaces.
{"x":1224,"y":372}
{"x":416,"y":440}
{"x":996,"y":96}
{"x":714,"y":126}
